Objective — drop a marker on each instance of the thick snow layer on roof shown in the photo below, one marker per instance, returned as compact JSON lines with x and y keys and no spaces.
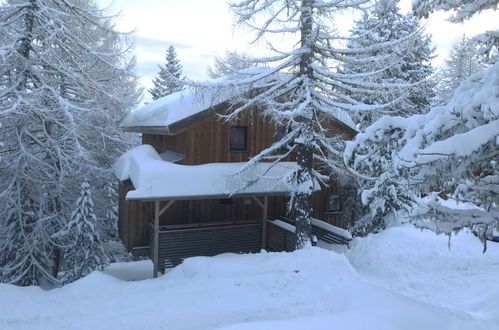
{"x":171,"y":109}
{"x":175,"y":107}
{"x":153,"y":178}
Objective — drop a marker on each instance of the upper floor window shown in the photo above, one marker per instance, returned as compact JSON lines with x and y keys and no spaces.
{"x":238,"y":138}
{"x":334,"y":204}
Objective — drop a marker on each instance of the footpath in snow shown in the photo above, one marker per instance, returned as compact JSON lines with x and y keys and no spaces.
{"x":402,"y":278}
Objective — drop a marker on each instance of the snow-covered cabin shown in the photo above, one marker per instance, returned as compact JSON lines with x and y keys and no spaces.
{"x":173,"y":188}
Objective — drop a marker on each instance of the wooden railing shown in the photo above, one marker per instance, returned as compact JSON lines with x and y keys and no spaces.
{"x":178,"y":244}
{"x":281,"y":234}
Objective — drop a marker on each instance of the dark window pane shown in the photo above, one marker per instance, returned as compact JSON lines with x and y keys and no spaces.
{"x":334,"y":203}
{"x":238,"y":138}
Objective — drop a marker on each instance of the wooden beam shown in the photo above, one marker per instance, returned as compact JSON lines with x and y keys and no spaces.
{"x":166,"y":207}
{"x":259,"y":202}
{"x":156,"y":239}
{"x":264,"y":222}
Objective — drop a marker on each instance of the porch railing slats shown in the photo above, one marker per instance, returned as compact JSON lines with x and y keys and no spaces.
{"x":178,"y":244}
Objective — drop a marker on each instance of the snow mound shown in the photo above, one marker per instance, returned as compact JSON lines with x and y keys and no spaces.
{"x":310,"y":260}
{"x":424,"y":266}
{"x":308,"y":289}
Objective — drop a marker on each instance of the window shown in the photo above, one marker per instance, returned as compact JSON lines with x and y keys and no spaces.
{"x":334,"y":204}
{"x":238,"y":138}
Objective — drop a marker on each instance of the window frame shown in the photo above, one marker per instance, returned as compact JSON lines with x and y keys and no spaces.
{"x":336,"y":199}
{"x":245,"y":148}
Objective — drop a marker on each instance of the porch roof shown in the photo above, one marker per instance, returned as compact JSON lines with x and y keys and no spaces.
{"x":156,"y":179}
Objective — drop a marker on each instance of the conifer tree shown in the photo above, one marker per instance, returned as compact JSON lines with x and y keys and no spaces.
{"x":110,"y":224}
{"x":301,"y":90}
{"x":168,"y":80}
{"x":452,"y":151}
{"x":409,"y":61}
{"x":84,"y":252}
{"x":462,"y":63}
{"x":229,"y":64}
{"x":60,"y":73}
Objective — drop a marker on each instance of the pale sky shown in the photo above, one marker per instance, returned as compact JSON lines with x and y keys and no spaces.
{"x":203,"y":29}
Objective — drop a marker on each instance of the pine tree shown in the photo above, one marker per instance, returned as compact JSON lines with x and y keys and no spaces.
{"x":301,"y":91}
{"x":110,"y":225}
{"x":168,"y":80}
{"x":60,"y":72}
{"x":410,"y":61}
{"x":84,"y":252}
{"x":452,"y":150}
{"x":462,"y":63}
{"x":229,"y":64}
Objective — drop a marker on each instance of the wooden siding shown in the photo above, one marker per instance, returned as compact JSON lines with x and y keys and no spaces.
{"x":207,"y":140}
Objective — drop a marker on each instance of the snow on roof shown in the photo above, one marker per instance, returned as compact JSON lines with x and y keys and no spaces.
{"x":154,"y":178}
{"x":176,"y":107}
{"x":171,"y":109}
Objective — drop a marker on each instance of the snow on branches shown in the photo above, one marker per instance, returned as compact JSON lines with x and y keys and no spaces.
{"x":409,"y":61}
{"x":300,"y":88}
{"x":168,"y":79}
{"x":452,"y":150}
{"x":83,"y":252}
{"x":66,"y":80}
{"x":464,"y":9}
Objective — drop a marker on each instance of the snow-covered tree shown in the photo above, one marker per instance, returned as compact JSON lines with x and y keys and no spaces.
{"x":84,"y":252}
{"x":229,"y":64}
{"x":168,"y":80}
{"x":463,"y":62}
{"x":60,"y":69}
{"x":300,"y":89}
{"x":110,"y":223}
{"x":487,"y":42}
{"x":453,"y":151}
{"x":463,"y":9}
{"x":410,"y":61}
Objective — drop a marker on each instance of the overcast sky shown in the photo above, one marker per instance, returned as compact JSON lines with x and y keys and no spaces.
{"x":203,"y":29}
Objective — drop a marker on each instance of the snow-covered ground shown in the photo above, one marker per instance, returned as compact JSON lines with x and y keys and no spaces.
{"x":402,"y":278}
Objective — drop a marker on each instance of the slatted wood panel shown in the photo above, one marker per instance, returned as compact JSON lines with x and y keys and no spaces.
{"x":178,"y":244}
{"x":280,"y":239}
{"x":329,"y":237}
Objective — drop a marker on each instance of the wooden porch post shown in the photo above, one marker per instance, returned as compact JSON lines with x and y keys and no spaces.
{"x":156,"y":239}
{"x":264,"y":222}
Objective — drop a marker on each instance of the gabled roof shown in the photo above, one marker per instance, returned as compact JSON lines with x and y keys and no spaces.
{"x":171,"y":112}
{"x":156,"y":179}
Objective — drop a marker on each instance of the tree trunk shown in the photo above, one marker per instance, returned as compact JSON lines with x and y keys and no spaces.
{"x":302,"y":204}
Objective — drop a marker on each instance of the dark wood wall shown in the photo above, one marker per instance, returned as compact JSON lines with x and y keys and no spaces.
{"x":207,"y":140}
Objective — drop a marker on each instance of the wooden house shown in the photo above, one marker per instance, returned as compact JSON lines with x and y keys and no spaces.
{"x":173,"y":198}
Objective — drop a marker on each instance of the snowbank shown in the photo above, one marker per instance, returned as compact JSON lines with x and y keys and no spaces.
{"x":453,"y":274}
{"x":154,"y":178}
{"x":402,"y":278}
